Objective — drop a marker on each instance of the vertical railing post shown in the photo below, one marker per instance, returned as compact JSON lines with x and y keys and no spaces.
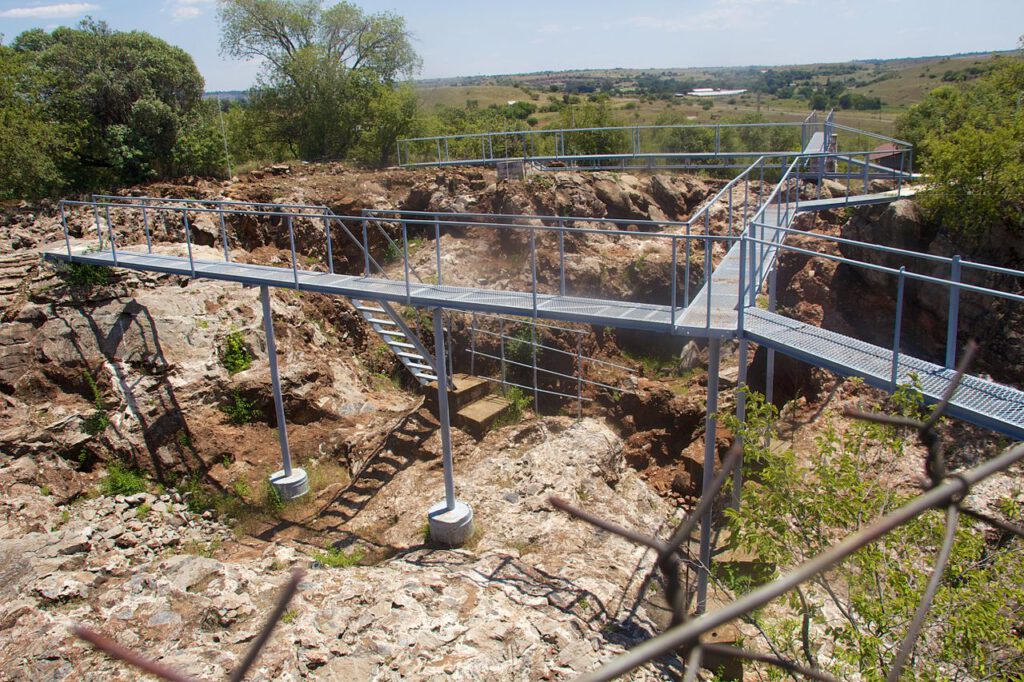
{"x":730,"y":211}
{"x":145,"y":226}
{"x":437,"y":245}
{"x":223,"y":238}
{"x":291,"y":242}
{"x":405,"y":264}
{"x":899,"y":178}
{"x":533,"y":343}
{"x":714,"y":368}
{"x":686,"y":271}
{"x":96,"y":217}
{"x":952,"y":322}
{"x":110,"y":235}
{"x":64,"y":225}
{"x":897,"y":329}
{"x":533,"y":269}
{"x":501,"y":346}
{"x":867,"y":169}
{"x":741,"y":298}
{"x":708,"y":247}
{"x":366,"y":250}
{"x":561,"y":257}
{"x":330,"y":247}
{"x":579,"y":376}
{"x":188,"y":243}
{"x":472,"y":344}
{"x":674,"y":282}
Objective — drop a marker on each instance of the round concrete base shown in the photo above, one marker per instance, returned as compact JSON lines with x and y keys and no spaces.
{"x":290,"y":487}
{"x":451,"y":528}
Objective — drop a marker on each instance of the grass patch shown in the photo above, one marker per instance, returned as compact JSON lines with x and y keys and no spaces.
{"x":235,"y":355}
{"x":239,"y":410}
{"x":143,"y":510}
{"x":336,"y":557}
{"x":121,"y":480}
{"x":98,"y":421}
{"x":85,"y":274}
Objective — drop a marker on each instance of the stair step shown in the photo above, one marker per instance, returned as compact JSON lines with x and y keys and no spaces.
{"x":379,"y":320}
{"x":424,"y":375}
{"x":411,"y":356}
{"x":390,"y":332}
{"x":399,"y":344}
{"x":370,"y":309}
{"x":478,"y":416}
{"x":417,"y":365}
{"x":464,"y":389}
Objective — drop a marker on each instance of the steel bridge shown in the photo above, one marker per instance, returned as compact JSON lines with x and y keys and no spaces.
{"x":703,"y":299}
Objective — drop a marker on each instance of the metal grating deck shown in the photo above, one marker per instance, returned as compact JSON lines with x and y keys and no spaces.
{"x":644,"y":316}
{"x":991,"y":405}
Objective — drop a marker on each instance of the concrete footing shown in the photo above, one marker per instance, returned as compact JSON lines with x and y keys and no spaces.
{"x":290,"y":487}
{"x":452,"y":528}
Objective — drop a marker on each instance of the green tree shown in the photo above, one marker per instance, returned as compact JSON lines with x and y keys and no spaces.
{"x":329,"y":70}
{"x":968,"y":138}
{"x":115,"y":102}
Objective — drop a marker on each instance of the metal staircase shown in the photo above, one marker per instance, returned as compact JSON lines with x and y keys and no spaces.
{"x":403,"y":342}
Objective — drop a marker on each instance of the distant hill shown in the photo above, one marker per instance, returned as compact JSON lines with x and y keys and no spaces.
{"x":227,"y":95}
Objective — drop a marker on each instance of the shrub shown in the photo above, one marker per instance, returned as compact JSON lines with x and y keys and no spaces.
{"x":794,"y":510}
{"x":120,"y":480}
{"x":235,"y":356}
{"x":518,"y":402}
{"x":98,"y":421}
{"x":239,"y":410}
{"x":85,"y":274}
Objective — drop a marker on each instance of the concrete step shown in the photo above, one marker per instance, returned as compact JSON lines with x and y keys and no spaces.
{"x":477,"y":417}
{"x":466,"y":389}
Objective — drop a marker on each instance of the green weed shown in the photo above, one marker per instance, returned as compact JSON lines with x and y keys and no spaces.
{"x":235,"y":355}
{"x":239,"y":410}
{"x":121,"y":480}
{"x":336,"y":557}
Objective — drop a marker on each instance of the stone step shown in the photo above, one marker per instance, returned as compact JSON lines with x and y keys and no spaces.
{"x":478,"y":417}
{"x":466,"y":389}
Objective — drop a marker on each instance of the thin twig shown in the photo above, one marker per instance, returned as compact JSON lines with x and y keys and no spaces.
{"x":639,"y":538}
{"x":115,"y":650}
{"x":788,"y":666}
{"x":992,"y":521}
{"x":952,"y":517}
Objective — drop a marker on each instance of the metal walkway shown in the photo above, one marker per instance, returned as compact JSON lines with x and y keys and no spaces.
{"x":985,"y":403}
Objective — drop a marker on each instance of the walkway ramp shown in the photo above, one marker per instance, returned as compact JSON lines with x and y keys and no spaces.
{"x":985,"y":403}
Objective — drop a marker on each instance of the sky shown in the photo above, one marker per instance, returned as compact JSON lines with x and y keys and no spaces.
{"x":481,"y":37}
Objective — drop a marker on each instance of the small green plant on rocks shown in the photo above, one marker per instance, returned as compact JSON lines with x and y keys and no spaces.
{"x":120,"y":480}
{"x":239,"y":410}
{"x":235,"y":355}
{"x":98,"y":421}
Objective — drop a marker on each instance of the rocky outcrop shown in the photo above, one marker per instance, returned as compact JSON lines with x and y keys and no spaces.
{"x":527,"y":600}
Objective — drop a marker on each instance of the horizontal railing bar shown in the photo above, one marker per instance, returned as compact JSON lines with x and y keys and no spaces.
{"x":893,"y":271}
{"x":561,"y":131}
{"x":892,"y":249}
{"x":539,"y":390}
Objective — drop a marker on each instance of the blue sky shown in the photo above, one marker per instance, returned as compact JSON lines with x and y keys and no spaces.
{"x":464,"y":38}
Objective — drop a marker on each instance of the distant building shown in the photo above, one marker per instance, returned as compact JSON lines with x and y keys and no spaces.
{"x":887,"y":155}
{"x":710,"y":92}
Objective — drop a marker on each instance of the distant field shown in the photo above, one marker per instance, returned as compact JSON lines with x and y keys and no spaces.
{"x":899,"y":84}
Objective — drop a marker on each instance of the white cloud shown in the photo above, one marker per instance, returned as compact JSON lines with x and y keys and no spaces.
{"x":59,"y":11}
{"x":182,"y":10}
{"x":720,"y":15}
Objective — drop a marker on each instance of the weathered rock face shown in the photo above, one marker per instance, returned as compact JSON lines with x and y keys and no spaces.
{"x":994,"y":322}
{"x":530,"y":600}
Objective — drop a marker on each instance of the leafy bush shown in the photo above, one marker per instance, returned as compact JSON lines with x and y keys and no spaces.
{"x":121,"y":480}
{"x":518,"y":402}
{"x":792,"y":511}
{"x":239,"y":410}
{"x":968,"y":140}
{"x":85,"y":274}
{"x":235,"y":355}
{"x":336,"y":557}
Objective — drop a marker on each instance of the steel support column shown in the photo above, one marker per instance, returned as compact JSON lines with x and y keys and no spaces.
{"x":450,"y":521}
{"x":290,"y":483}
{"x":741,"y":415}
{"x":714,"y":367}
